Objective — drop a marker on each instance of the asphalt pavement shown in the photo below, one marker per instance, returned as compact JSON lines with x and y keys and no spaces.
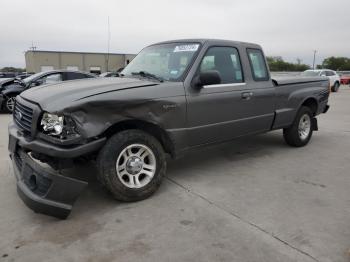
{"x":254,"y":199}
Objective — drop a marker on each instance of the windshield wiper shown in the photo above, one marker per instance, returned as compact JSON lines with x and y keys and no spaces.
{"x":148,"y":75}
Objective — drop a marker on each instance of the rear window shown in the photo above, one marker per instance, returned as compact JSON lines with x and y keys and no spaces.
{"x":76,"y":75}
{"x":258,"y":65}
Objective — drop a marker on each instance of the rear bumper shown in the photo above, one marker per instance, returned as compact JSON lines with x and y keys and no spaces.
{"x":41,"y":189}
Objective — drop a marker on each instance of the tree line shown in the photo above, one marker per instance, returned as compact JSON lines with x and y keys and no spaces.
{"x":12,"y":69}
{"x":276,"y":63}
{"x":336,"y":63}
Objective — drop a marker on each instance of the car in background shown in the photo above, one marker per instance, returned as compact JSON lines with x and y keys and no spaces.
{"x":7,"y":74}
{"x":112,"y":74}
{"x":109,"y":74}
{"x":24,"y":75}
{"x":7,"y":81}
{"x":10,"y":89}
{"x":344,"y":77}
{"x":334,"y":78}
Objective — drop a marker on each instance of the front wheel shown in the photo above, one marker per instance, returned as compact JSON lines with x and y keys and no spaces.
{"x":300,"y":132}
{"x":9,"y":103}
{"x":131,"y":165}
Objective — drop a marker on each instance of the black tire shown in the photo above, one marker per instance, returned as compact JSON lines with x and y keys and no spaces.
{"x":291,"y":134}
{"x":335,"y":88}
{"x":107,"y":160}
{"x":5,"y":107}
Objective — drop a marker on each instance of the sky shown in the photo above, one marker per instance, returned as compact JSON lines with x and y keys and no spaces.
{"x":288,"y":28}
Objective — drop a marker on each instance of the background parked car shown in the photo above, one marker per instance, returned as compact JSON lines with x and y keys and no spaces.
{"x":10,"y":89}
{"x":333,"y":77}
{"x":24,"y":75}
{"x":344,"y":78}
{"x":109,"y":74}
{"x":7,"y":74}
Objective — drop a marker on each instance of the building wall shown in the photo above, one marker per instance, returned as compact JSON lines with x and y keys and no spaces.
{"x":37,"y":61}
{"x":71,"y":60}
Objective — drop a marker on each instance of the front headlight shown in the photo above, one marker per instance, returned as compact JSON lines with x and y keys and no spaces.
{"x":52,"y":124}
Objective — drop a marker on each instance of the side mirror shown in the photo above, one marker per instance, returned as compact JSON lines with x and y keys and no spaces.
{"x":210,"y":77}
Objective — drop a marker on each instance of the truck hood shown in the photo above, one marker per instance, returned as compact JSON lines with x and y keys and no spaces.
{"x":67,"y":93}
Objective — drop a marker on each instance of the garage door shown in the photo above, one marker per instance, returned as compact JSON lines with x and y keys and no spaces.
{"x":95,"y":70}
{"x":46,"y":68}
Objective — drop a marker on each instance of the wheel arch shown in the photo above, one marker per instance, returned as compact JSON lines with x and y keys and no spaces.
{"x":150,"y":128}
{"x":312,"y":103}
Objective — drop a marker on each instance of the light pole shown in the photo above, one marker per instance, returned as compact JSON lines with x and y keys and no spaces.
{"x":313,"y":64}
{"x":108,"y":44}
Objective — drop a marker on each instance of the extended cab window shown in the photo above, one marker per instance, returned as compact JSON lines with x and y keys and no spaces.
{"x":258,"y":65}
{"x":226,"y":61}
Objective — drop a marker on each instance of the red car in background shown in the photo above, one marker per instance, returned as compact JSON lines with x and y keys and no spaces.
{"x":344,"y":78}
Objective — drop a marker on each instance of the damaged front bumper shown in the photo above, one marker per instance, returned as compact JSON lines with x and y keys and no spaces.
{"x":42,"y":189}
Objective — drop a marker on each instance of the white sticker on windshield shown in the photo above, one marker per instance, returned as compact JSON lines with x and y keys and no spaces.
{"x":186,"y":48}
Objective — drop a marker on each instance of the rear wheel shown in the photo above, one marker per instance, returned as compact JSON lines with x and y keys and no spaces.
{"x":335,"y":88}
{"x":300,"y":132}
{"x":131,"y":165}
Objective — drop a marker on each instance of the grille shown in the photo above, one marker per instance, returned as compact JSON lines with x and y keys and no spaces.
{"x":23,"y":116}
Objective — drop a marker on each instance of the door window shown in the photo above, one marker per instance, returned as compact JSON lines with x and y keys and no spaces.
{"x":226,"y":61}
{"x":258,"y":65}
{"x":329,"y":73}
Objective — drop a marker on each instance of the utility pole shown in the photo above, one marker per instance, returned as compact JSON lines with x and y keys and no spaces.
{"x":108,"y":43}
{"x":33,"y":48}
{"x":313,"y":64}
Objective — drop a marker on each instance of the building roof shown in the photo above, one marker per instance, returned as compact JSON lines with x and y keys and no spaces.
{"x":74,"y":52}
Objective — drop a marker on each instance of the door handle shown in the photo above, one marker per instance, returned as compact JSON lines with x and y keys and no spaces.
{"x":247,"y":95}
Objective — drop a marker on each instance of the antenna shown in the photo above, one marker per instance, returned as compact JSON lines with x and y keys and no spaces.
{"x":33,"y":48}
{"x":108,"y":43}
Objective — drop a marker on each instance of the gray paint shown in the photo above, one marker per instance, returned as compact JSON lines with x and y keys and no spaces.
{"x":189,"y":116}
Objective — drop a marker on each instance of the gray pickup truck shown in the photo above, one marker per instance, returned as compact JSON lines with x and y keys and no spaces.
{"x":173,"y":97}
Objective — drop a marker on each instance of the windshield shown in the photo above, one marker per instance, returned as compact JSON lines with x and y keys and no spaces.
{"x":164,"y":61}
{"x":310,"y":73}
{"x":32,"y":77}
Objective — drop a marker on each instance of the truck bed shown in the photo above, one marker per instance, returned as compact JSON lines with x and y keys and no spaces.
{"x":291,"y":80}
